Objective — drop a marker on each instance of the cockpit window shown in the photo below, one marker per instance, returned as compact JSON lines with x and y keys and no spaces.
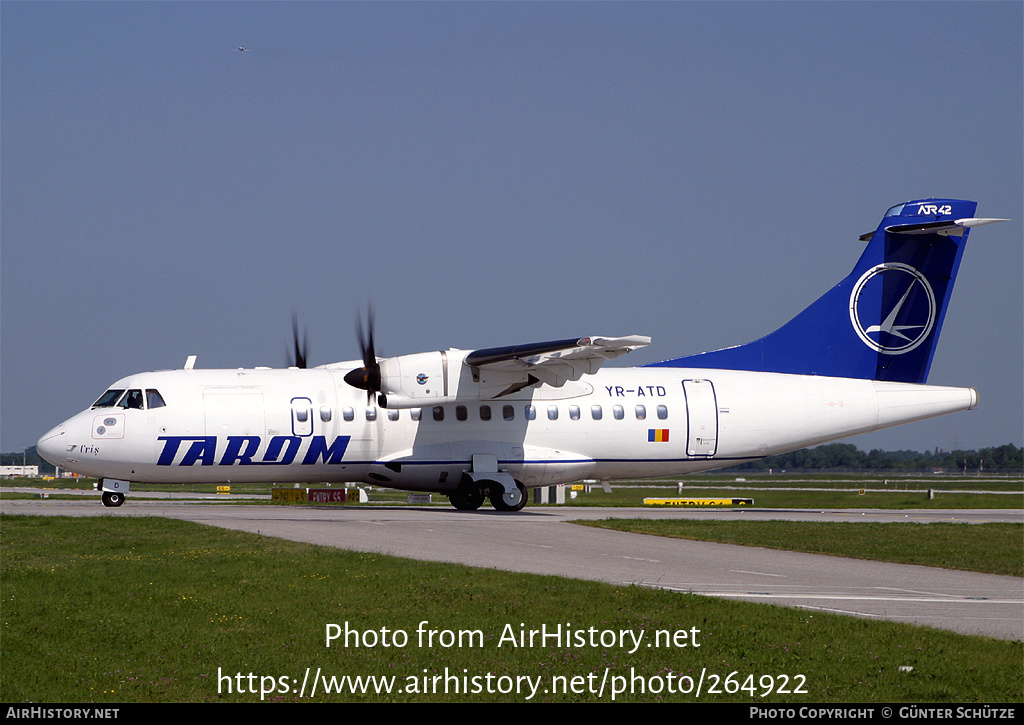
{"x":109,"y":399}
{"x":132,"y":399}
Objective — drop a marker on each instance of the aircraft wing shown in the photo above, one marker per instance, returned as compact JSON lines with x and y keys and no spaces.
{"x":556,"y":361}
{"x":460,"y":376}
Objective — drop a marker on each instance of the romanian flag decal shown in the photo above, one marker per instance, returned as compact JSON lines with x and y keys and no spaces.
{"x":657,"y":435}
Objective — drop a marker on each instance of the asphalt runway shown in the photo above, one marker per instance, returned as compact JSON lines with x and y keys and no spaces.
{"x":541,"y":541}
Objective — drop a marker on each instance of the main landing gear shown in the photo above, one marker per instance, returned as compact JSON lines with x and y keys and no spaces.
{"x":470,"y":495}
{"x":503,"y":500}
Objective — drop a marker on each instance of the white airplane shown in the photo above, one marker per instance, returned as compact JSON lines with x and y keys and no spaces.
{"x":492,"y":423}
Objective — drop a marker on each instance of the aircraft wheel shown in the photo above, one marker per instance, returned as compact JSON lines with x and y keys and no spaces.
{"x":113,"y":498}
{"x":467,"y":497}
{"x":502,"y":501}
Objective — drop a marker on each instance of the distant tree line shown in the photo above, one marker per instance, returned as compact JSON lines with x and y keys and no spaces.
{"x":847,"y":457}
{"x":28,"y":458}
{"x":830,"y":457}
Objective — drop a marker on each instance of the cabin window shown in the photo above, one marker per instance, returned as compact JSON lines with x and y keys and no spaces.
{"x":662,"y":412}
{"x":641,"y":412}
{"x":438,"y":412}
{"x":574,"y":412}
{"x":302,"y":417}
{"x":508,"y":412}
{"x":325,"y":414}
{"x":485,"y":412}
{"x":461,"y":413}
{"x":552,"y":412}
{"x":618,"y":412}
{"x":109,"y":399}
{"x":371,"y":413}
{"x":415,"y":413}
{"x":348,"y":414}
{"x":154,"y":399}
{"x":596,"y":412}
{"x":392,"y":415}
{"x":531,"y":412}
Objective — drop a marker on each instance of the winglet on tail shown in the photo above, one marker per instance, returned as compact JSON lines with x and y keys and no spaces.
{"x":882,"y":322}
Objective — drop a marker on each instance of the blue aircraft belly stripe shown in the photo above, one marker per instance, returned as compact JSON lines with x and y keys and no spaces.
{"x":517,"y":461}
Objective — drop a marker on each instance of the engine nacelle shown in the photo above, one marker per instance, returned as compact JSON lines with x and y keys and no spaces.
{"x":421,"y":379}
{"x":437,"y":378}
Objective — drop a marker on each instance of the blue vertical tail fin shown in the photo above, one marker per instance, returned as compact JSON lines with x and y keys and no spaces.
{"x":882,"y":322}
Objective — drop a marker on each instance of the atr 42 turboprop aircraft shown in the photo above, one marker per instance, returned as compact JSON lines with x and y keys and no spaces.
{"x":492,"y":423}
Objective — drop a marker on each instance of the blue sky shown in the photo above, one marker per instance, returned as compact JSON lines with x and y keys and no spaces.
{"x":488,"y":174}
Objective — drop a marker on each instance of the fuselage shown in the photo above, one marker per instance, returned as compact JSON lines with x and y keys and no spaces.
{"x":308,"y":425}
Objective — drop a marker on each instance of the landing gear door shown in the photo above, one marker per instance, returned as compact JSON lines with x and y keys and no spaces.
{"x":702,"y":418}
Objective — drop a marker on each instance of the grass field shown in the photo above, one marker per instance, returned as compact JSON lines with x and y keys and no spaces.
{"x":988,"y":548}
{"x":152,"y":610}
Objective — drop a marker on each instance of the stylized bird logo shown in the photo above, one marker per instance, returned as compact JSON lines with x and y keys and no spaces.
{"x":888,"y":326}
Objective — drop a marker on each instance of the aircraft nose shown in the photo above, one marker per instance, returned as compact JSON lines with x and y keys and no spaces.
{"x":52,"y":446}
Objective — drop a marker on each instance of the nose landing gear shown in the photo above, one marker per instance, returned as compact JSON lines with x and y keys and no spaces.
{"x":113,"y":491}
{"x":113,"y":498}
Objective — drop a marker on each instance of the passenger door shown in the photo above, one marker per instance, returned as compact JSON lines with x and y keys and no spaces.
{"x":701,"y":418}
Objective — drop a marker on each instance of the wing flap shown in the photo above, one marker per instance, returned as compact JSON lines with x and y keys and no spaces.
{"x":553,"y":362}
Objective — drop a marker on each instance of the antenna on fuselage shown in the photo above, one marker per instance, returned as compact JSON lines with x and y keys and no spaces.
{"x":190,"y":362}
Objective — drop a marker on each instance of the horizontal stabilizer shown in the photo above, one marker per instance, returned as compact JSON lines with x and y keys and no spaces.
{"x":955,"y":228}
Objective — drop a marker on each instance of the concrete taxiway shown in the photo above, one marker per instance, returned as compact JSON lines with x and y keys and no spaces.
{"x":541,"y":541}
